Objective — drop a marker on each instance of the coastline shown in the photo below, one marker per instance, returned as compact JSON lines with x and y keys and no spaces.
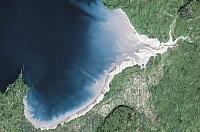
{"x":140,"y":58}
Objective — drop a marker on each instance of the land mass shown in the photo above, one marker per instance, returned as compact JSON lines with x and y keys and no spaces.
{"x":168,"y":85}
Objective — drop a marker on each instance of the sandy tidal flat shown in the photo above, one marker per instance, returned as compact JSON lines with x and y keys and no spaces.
{"x":135,"y":49}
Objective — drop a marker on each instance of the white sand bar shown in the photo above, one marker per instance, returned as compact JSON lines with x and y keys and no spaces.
{"x":147,"y":47}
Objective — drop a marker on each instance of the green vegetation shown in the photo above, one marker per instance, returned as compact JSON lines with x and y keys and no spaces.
{"x":176,"y":96}
{"x":172,"y":79}
{"x":125,"y":119}
{"x":189,"y":26}
{"x":120,"y":80}
{"x":150,"y":17}
{"x":12,"y":108}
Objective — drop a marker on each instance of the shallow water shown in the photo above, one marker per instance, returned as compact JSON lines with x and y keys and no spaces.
{"x":64,"y":48}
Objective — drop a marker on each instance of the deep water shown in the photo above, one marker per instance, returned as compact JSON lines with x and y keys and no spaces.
{"x":63,"y":48}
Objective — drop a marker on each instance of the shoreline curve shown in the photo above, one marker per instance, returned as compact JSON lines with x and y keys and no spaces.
{"x":140,"y":58}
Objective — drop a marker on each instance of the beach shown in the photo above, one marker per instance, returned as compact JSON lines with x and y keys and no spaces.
{"x":145,"y":48}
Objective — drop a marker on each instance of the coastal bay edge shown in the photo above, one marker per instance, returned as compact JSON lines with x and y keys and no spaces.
{"x":154,"y":47}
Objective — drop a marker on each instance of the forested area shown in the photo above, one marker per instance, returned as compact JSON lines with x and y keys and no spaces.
{"x":175,"y":99}
{"x":124,"y":118}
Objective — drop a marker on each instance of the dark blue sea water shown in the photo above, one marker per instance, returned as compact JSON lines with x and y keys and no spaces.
{"x":63,"y":48}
